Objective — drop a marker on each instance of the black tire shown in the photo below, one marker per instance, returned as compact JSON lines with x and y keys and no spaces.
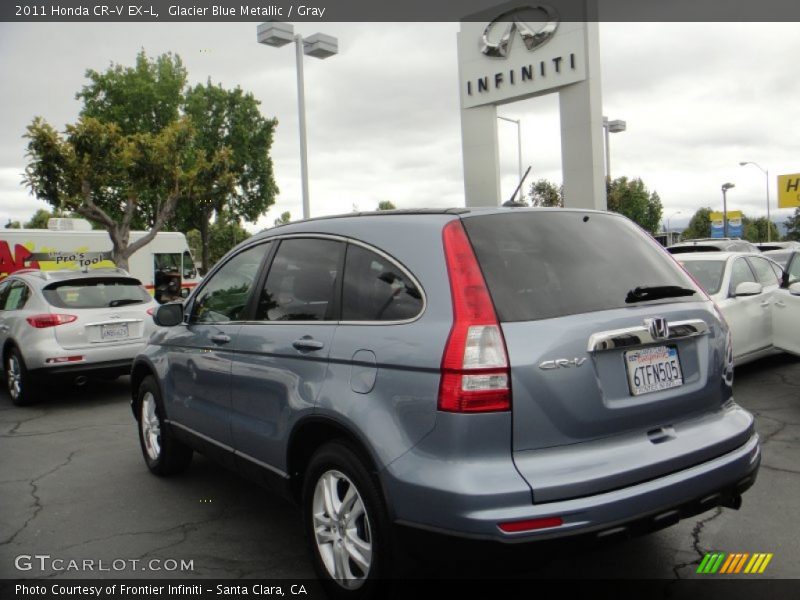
{"x":163,"y":453}
{"x":374,"y":526}
{"x":20,"y":386}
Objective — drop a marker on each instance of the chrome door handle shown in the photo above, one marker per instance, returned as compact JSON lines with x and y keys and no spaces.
{"x":220,"y":338}
{"x":307,"y":344}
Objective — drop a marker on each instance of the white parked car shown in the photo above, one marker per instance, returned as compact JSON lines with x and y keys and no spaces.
{"x":761,"y":305}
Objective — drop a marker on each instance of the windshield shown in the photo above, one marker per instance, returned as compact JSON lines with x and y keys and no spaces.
{"x":544,"y":264}
{"x":103,"y":292}
{"x":708,"y":273}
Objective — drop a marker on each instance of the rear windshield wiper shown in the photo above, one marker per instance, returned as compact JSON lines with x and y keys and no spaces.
{"x":656,"y":292}
{"x":123,"y":301}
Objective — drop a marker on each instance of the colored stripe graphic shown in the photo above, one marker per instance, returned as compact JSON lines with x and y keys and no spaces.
{"x":723,"y":563}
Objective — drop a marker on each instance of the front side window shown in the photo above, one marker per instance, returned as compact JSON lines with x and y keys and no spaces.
{"x":189,"y":270}
{"x":302,"y":281}
{"x":740,"y":272}
{"x":224,"y":296}
{"x":375,"y":289}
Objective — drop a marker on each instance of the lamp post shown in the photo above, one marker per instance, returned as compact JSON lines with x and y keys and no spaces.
{"x":319,"y":45}
{"x":677,"y":212}
{"x":725,"y":188}
{"x":519,"y":148}
{"x":615,"y":126}
{"x":766,"y":176}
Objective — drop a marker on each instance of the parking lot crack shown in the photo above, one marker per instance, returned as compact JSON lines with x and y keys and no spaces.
{"x":37,"y":501}
{"x":779,"y":469}
{"x":696,"y":543}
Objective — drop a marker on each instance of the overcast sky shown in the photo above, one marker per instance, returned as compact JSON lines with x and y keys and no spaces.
{"x":383,"y":115}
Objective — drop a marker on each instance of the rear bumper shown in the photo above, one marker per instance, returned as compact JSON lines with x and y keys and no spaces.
{"x":110,"y":368}
{"x":660,"y":502}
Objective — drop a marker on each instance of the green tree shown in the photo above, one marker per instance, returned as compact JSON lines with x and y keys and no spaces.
{"x":12,"y":224}
{"x":546,"y":193}
{"x":386,"y":205}
{"x":230,"y":120}
{"x":39,"y":219}
{"x":792,"y":225}
{"x":755,"y":230}
{"x":224,"y":234}
{"x":106,"y":176}
{"x":286,"y":217}
{"x":632,"y":199}
{"x":699,"y":225}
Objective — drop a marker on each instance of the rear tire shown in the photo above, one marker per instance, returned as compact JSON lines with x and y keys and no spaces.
{"x":20,"y":387}
{"x":347,"y":526}
{"x":163,"y":453}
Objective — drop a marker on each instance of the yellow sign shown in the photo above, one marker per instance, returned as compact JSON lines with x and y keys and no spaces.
{"x":788,"y":190}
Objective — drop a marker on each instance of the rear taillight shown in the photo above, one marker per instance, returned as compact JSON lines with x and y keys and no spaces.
{"x":150,"y":311}
{"x":475,"y":374}
{"x":49,"y":320}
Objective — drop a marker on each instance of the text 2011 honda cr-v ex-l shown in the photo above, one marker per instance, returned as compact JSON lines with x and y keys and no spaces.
{"x":505,"y":374}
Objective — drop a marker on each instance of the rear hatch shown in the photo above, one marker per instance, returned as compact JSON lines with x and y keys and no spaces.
{"x":106,"y":311}
{"x":613,"y":350}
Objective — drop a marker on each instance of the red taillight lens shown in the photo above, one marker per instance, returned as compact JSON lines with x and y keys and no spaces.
{"x":150,"y":311}
{"x":530,"y":524}
{"x":475,"y":375}
{"x":49,"y":320}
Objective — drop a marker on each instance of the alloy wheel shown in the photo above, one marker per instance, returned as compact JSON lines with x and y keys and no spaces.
{"x":151,"y":427}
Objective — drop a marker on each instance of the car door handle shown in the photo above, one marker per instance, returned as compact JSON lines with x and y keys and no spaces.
{"x":308,"y":344}
{"x":781,"y":304}
{"x":220,"y":338}
{"x":765,"y":304}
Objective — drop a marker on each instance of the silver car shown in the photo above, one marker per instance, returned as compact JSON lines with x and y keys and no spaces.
{"x":70,"y":325}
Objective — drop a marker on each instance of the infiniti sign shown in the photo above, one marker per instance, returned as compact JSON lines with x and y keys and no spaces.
{"x":532,"y":39}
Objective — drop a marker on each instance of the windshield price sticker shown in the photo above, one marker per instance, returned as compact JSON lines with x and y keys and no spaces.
{"x":653,"y":369}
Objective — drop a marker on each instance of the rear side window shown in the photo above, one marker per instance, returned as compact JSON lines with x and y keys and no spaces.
{"x":708,"y":273}
{"x":96,"y":292}
{"x":375,"y":289}
{"x":302,"y":282}
{"x":793,"y":269}
{"x":540,"y":265}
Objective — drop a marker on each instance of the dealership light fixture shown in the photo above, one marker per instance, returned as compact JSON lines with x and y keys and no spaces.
{"x":615,"y":126}
{"x":319,"y":45}
{"x":725,"y":188}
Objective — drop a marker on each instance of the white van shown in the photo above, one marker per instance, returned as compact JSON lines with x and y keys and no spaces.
{"x":164,"y":266}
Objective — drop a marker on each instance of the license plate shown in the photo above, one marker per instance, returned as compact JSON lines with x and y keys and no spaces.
{"x":653,"y":369}
{"x":114,"y":332}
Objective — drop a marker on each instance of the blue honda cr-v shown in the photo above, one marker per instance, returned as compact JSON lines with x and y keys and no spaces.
{"x":502,"y":374}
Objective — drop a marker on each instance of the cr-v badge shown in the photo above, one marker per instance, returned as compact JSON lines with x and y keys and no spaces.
{"x":561,"y":363}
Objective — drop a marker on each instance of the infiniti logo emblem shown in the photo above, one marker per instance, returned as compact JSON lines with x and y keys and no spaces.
{"x":658,"y":328}
{"x":532,"y":39}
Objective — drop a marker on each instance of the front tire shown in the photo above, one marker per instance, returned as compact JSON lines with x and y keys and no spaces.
{"x":20,"y":387}
{"x":346,"y":523}
{"x":163,"y":453}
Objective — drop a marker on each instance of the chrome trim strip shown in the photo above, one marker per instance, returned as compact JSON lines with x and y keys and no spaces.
{"x":114,"y":322}
{"x":228,"y":448}
{"x":640,"y":335}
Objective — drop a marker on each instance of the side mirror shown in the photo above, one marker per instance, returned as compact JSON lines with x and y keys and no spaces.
{"x":169,"y":315}
{"x":748,"y":288}
{"x":794,"y":289}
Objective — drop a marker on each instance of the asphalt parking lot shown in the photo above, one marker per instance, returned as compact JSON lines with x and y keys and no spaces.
{"x":74,"y":486}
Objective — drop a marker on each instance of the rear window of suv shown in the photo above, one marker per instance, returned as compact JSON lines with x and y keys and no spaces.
{"x":96,"y":292}
{"x":540,"y":265}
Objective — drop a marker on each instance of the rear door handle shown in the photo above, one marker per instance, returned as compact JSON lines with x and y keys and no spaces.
{"x":307,"y":344}
{"x":765,"y":304}
{"x":220,"y":338}
{"x":781,"y":304}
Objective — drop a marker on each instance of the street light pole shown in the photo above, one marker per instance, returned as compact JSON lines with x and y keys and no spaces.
{"x":669,"y":228}
{"x":725,"y":188}
{"x":301,"y":110}
{"x":519,"y":148}
{"x":319,"y":45}
{"x":766,"y":175}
